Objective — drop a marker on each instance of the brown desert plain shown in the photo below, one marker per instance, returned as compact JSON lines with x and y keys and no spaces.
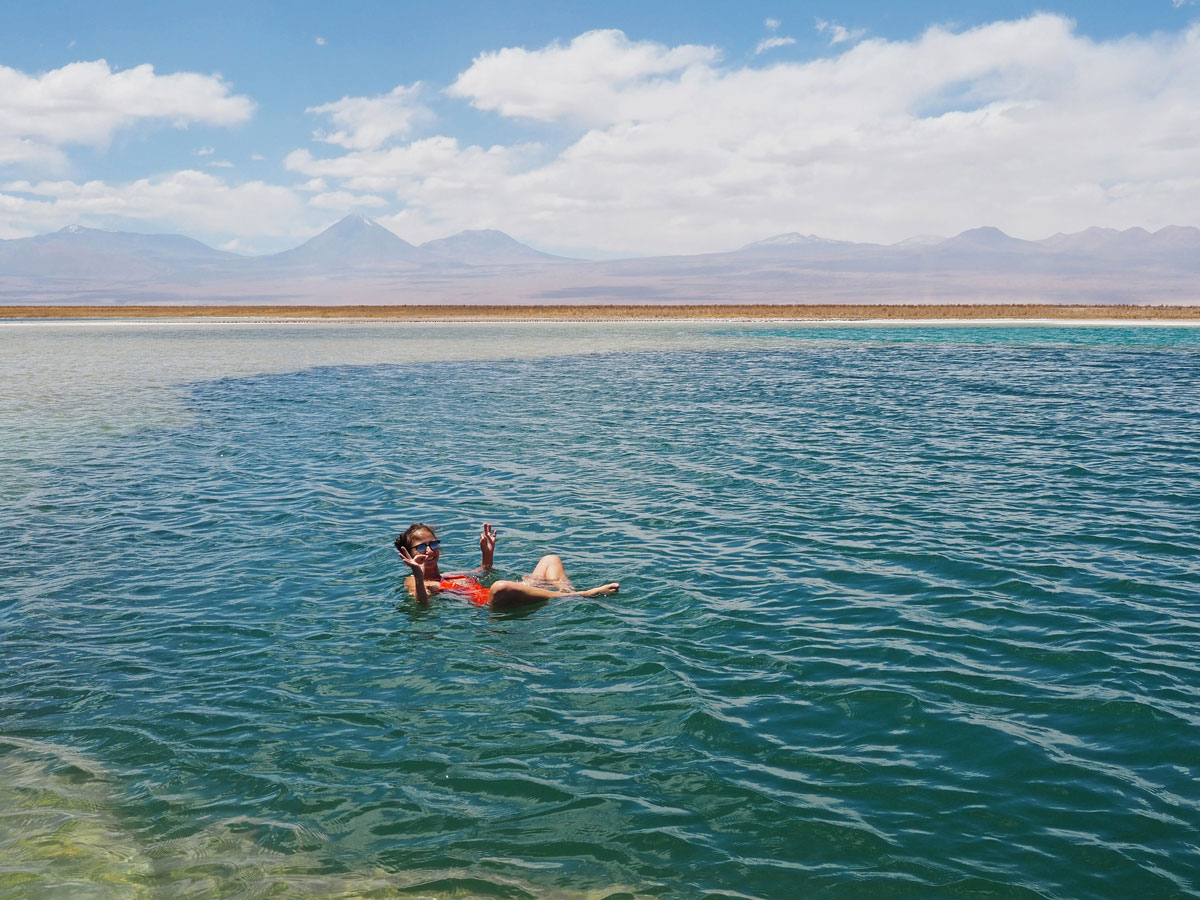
{"x":609,"y":312}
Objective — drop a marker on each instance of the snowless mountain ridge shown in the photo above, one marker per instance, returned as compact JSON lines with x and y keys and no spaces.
{"x":356,"y":239}
{"x":357,"y":260}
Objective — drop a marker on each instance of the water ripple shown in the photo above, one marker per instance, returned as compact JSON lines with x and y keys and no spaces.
{"x":904,"y":613}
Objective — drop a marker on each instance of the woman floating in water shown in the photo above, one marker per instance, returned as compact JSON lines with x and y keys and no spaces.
{"x":420,"y":549}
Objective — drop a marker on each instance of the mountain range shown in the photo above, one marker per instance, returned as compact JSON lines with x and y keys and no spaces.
{"x":357,"y":260}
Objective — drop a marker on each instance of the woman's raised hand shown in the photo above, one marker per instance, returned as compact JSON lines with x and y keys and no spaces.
{"x":415,"y":562}
{"x":487,"y":544}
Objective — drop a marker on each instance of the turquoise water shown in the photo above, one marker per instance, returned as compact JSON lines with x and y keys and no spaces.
{"x":905,"y":612}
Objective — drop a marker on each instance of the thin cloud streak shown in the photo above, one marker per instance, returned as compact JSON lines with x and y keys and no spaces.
{"x":839,"y":34}
{"x":771,"y":43}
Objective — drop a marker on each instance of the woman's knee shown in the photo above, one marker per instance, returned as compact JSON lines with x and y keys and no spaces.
{"x":549,"y":566}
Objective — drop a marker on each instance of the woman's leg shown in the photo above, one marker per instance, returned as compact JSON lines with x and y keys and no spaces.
{"x":550,"y":571}
{"x":514,"y":593}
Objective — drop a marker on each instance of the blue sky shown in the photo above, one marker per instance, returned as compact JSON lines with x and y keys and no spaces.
{"x":598,"y":129}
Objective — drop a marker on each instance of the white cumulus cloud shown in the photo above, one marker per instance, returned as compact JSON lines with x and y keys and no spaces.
{"x":439,"y":178}
{"x":364,"y":123}
{"x":1024,"y":124}
{"x":600,"y":76}
{"x":86,"y":102}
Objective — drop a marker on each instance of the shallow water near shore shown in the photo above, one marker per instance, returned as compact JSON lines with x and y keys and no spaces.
{"x":905,"y":611}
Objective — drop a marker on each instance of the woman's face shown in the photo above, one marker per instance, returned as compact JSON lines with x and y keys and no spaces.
{"x":424,"y":536}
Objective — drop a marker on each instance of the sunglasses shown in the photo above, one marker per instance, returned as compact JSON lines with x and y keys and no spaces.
{"x":428,"y":545}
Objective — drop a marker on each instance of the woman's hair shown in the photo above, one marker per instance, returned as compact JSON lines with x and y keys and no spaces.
{"x":405,"y":539}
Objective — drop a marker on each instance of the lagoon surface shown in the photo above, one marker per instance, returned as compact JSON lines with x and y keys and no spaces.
{"x":906,"y":611}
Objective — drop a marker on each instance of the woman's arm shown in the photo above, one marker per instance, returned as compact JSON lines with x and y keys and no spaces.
{"x":487,"y":549}
{"x":487,"y":546}
{"x":417,"y":565}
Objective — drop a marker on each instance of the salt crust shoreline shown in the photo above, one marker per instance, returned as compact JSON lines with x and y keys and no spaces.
{"x":234,"y":321}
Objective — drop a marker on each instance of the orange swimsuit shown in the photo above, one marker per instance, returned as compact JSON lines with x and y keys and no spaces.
{"x":466,"y":586}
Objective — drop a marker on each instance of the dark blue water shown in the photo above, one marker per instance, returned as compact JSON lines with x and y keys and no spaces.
{"x":904,"y":613}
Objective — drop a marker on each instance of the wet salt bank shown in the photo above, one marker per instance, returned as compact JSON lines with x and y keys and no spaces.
{"x":905,"y":611}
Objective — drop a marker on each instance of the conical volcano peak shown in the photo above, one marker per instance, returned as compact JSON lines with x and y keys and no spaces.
{"x":355,"y":241}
